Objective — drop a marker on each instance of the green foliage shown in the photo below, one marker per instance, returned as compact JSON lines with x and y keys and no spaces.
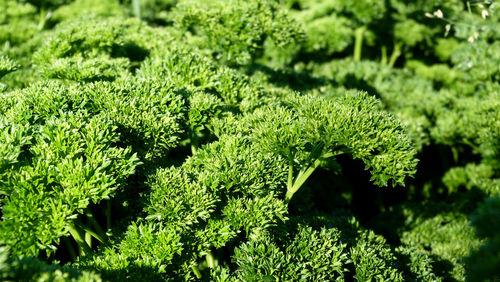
{"x":227,"y":89}
{"x":234,"y":31}
{"x":17,"y":23}
{"x":310,"y":255}
{"x":243,"y":140}
{"x":32,"y":269}
{"x":154,"y":11}
{"x":7,"y":66}
{"x":77,"y":8}
{"x":482,"y":264}
{"x":373,"y":260}
{"x":446,"y":236}
{"x":150,"y":114}
{"x":419,"y":264}
{"x":70,"y":162}
{"x":90,"y":49}
{"x":313,"y":129}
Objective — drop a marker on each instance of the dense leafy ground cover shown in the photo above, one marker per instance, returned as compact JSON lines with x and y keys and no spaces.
{"x":250,"y":140}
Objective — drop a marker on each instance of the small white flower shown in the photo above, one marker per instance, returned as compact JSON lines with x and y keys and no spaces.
{"x":438,"y":13}
{"x":429,"y":15}
{"x":447,"y":29}
{"x":484,"y":14}
{"x":476,"y":35}
{"x":471,"y":39}
{"x":469,"y":65}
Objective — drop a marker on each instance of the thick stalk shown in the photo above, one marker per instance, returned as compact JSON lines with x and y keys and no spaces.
{"x":194,"y":149}
{"x":82,"y":245}
{"x":383,"y":60}
{"x":108,"y":214}
{"x":196,"y":271}
{"x":211,"y":260}
{"x":304,"y":175}
{"x":136,"y":7}
{"x":455,"y":154}
{"x":194,"y":142}
{"x":290,"y":172}
{"x":88,"y":239}
{"x":70,"y":248}
{"x":358,"y":43}
{"x":94,"y":224}
{"x":42,"y":17}
{"x":395,"y":54}
{"x":90,"y":232}
{"x":300,"y":180}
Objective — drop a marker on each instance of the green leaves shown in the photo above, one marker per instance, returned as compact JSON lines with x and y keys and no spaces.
{"x":185,"y":121}
{"x":150,"y":114}
{"x":23,"y":268}
{"x":236,"y":40}
{"x":373,"y":259}
{"x":104,"y":49}
{"x":71,"y":162}
{"x":7,"y":66}
{"x":312,"y":128}
{"x":310,"y":255}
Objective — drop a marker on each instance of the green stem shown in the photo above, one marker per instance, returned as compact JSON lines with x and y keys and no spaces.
{"x":455,"y":154}
{"x":290,"y":172}
{"x":90,"y":232}
{"x":304,"y":175}
{"x":396,"y":52}
{"x":196,"y":271}
{"x":194,"y":142}
{"x":358,"y":43}
{"x":75,"y":233}
{"x":211,"y":260}
{"x":194,"y":149}
{"x":70,"y":248}
{"x":88,"y":239}
{"x":43,"y":16}
{"x":108,"y":214}
{"x":300,"y":180}
{"x":136,"y":6}
{"x":383,"y":61}
{"x":94,"y":224}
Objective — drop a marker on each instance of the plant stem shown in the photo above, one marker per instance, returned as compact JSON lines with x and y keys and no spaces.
{"x":42,"y":17}
{"x":383,"y":60}
{"x":196,"y":271}
{"x":88,"y":239}
{"x":211,"y":260}
{"x":300,"y":180}
{"x":193,"y":149}
{"x":304,"y":175}
{"x":136,"y":7}
{"x":75,"y":233}
{"x":455,"y":154}
{"x":108,"y":214}
{"x":290,"y":172}
{"x":90,"y":232}
{"x":358,"y":43}
{"x":70,"y":248}
{"x":194,"y":142}
{"x":396,"y":52}
{"x":94,"y":224}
